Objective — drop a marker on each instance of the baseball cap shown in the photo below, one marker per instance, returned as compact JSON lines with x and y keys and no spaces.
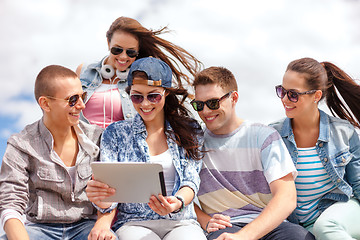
{"x":158,"y":72}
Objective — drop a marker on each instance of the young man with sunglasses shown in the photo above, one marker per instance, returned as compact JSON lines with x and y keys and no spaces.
{"x":247,"y":180}
{"x":46,"y":166}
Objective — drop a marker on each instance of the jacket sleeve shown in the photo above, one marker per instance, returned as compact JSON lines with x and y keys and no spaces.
{"x":14,"y":180}
{"x":353,"y":167}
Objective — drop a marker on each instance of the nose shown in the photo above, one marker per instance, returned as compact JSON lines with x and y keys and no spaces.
{"x":80,"y":104}
{"x":206,"y":109}
{"x":285,"y":99}
{"x":123,"y":54}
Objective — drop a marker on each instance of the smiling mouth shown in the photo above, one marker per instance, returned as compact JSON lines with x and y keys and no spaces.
{"x":121,"y":62}
{"x":287,"y":108}
{"x":147,"y":110}
{"x":210,"y":118}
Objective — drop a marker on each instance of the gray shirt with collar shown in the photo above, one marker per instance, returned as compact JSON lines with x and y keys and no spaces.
{"x":35,"y":182}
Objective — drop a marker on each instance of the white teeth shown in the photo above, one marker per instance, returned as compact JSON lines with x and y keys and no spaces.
{"x":210,"y":118}
{"x":146,"y":110}
{"x":121,"y":62}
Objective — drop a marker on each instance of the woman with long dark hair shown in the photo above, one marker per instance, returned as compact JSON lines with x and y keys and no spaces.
{"x":105,"y":81}
{"x":161,"y":132}
{"x":325,"y":149}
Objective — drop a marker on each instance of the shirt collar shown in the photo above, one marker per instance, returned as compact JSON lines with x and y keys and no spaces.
{"x":324,"y":128}
{"x":87,"y":145}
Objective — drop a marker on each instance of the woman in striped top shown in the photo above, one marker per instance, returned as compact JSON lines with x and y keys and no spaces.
{"x":325,"y":149}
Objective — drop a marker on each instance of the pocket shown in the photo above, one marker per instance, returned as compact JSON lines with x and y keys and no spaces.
{"x":342,"y":159}
{"x":50,"y":175}
{"x":84,"y":169}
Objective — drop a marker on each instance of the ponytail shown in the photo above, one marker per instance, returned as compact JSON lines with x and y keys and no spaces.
{"x":339,"y":81}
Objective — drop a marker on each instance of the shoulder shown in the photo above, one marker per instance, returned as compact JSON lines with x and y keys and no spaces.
{"x":28,"y":140}
{"x":341,"y":126}
{"x":258,"y":129}
{"x":122,"y":127}
{"x":277,"y":124}
{"x":30,"y":132}
{"x":92,"y":131}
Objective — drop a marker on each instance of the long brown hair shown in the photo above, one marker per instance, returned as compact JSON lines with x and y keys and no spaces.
{"x":187,"y":130}
{"x":332,"y":81}
{"x":151,"y":45}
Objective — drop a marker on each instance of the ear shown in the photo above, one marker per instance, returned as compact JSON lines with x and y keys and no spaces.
{"x":318,"y":94}
{"x":234,"y":97}
{"x":44,"y":103}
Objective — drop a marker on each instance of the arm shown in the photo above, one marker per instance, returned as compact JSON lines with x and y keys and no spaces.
{"x":279,"y":208}
{"x":101,"y":229}
{"x":14,"y":189}
{"x":212,"y":224}
{"x":352,"y":171}
{"x":78,"y":70}
{"x":15,"y":229}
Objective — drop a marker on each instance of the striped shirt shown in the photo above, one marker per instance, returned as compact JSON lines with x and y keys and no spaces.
{"x":311,"y":183}
{"x":238,"y":169}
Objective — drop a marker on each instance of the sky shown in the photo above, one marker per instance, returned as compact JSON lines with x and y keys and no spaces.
{"x":253,"y":39}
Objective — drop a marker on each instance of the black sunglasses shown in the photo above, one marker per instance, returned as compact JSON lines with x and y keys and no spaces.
{"x":72,"y":100}
{"x":130,"y":52}
{"x":292,"y":95}
{"x":212,"y":104}
{"x":151,"y":97}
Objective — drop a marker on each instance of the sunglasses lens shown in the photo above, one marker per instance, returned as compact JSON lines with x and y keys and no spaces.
{"x":131,"y":53}
{"x":154,"y":97}
{"x":84,"y":96}
{"x":280,"y":91}
{"x":73,"y":100}
{"x":213,"y":104}
{"x":136,"y":98}
{"x":197,"y":105}
{"x":293,"y":96}
{"x":116,"y":50}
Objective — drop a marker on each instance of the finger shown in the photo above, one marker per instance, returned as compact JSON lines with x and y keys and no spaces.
{"x":223,"y":223}
{"x":222,"y":217}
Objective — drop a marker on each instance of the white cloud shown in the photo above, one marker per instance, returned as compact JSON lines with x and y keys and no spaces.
{"x":254,"y":39}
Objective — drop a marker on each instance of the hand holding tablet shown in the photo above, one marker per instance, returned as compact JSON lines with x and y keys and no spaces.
{"x":134,"y":182}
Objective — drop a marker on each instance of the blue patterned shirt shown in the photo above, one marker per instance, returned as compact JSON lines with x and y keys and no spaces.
{"x":125,"y":141}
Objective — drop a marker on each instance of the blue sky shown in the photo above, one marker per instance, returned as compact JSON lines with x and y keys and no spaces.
{"x":254,"y":39}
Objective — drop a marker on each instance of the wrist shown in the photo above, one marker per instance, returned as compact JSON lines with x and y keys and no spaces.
{"x":206,"y":227}
{"x":181,"y":199}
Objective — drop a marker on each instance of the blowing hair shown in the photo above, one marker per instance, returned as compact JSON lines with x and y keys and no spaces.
{"x":187,"y":131}
{"x":332,"y":81}
{"x":216,"y":75}
{"x":44,"y":83}
{"x":151,"y":45}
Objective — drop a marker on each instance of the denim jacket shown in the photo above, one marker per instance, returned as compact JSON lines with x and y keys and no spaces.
{"x":91,"y":79}
{"x":125,"y":141}
{"x":338,"y":147}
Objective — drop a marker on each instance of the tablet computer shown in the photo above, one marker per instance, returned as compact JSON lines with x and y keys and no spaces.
{"x":134,"y":182}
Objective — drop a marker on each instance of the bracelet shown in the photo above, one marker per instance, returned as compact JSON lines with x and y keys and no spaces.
{"x":207,"y":226}
{"x":181,"y":199}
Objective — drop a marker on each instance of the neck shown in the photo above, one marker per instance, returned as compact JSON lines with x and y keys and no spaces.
{"x":306,"y":121}
{"x":59,"y":133}
{"x":155,"y":125}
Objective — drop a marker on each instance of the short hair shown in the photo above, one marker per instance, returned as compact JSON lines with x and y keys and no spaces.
{"x":216,"y":75}
{"x":47,"y":76}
